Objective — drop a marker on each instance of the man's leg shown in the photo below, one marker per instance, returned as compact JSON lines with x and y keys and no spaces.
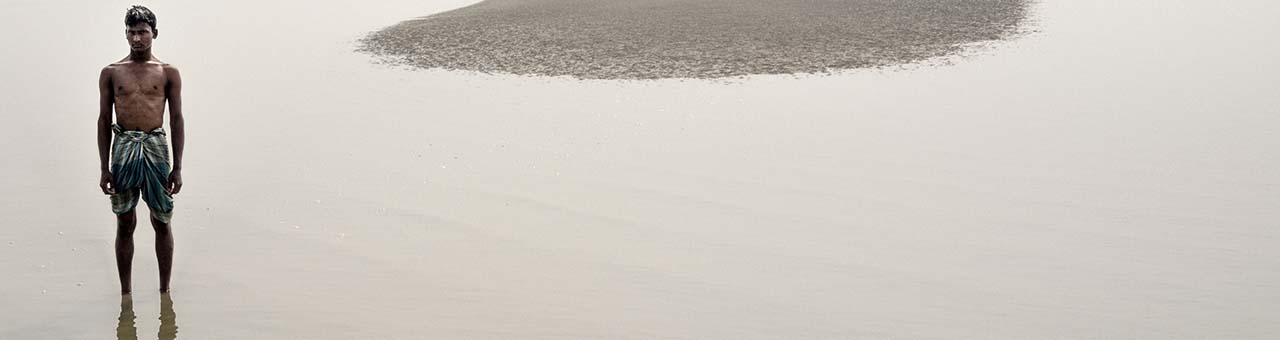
{"x":125,"y":224}
{"x":164,"y":251}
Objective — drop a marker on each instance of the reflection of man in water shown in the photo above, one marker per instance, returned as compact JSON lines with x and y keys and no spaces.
{"x":138,"y":87}
{"x":126,"y":329}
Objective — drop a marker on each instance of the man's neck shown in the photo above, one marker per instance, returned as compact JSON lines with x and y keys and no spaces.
{"x":140,"y":56}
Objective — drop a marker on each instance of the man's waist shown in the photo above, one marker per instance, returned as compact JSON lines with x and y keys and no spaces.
{"x":120,"y":130}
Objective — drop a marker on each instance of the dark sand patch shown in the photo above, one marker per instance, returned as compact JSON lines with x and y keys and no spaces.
{"x":648,"y":39}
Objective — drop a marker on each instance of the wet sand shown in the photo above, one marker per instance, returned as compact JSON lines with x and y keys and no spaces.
{"x":1101,"y":179}
{"x":648,"y":39}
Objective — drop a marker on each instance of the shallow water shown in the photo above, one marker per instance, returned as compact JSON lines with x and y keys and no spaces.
{"x":1108,"y":177}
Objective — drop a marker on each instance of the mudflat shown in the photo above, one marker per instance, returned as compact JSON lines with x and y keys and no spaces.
{"x":649,"y":39}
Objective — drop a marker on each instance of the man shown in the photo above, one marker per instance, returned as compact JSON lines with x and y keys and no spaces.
{"x":137,"y":87}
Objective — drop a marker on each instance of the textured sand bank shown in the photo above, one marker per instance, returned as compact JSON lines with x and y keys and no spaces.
{"x":648,"y":39}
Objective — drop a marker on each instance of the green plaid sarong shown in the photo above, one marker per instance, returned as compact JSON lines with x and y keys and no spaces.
{"x":140,"y":167}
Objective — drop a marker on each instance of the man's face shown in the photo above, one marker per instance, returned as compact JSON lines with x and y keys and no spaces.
{"x":139,"y":35}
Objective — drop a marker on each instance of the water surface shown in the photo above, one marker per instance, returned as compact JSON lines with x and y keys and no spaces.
{"x":1110,"y":177}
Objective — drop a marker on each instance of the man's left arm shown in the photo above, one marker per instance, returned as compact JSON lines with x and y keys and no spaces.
{"x":173,"y":92}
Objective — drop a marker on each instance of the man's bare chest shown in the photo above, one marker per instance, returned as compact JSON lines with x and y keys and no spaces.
{"x":139,"y":82}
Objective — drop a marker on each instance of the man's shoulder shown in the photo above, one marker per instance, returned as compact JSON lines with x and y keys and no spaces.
{"x":108,"y":70}
{"x":171,"y":72}
{"x":117,"y":64}
{"x":168,"y":67}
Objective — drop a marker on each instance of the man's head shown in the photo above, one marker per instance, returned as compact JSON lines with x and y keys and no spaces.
{"x":140,"y":27}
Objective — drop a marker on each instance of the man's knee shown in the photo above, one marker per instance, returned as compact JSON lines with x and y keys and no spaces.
{"x":161,"y":227}
{"x":125,"y":223}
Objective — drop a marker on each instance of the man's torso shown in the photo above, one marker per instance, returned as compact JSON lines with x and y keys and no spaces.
{"x":139,"y":90}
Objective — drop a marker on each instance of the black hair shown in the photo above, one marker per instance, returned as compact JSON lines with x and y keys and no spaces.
{"x":138,"y":14}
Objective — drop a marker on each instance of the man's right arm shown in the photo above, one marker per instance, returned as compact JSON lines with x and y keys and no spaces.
{"x":106,"y":102}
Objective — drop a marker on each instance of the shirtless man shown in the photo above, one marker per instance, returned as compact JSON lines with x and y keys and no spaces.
{"x":137,"y":87}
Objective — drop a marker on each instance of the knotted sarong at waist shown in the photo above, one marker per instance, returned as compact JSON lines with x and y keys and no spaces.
{"x":140,"y":165}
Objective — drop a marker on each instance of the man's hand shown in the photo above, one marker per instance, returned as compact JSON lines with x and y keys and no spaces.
{"x":175,"y":182}
{"x":107,"y":183}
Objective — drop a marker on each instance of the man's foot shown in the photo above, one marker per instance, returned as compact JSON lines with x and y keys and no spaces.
{"x":124,"y":292}
{"x":164,"y":290}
